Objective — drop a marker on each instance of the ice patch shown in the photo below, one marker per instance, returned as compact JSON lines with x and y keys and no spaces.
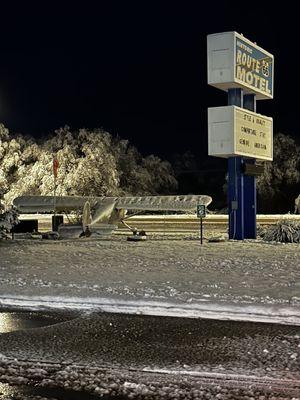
{"x":211,"y":310}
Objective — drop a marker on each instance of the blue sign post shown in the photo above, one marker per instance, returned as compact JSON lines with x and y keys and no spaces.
{"x":241,"y":188}
{"x":250,"y":205}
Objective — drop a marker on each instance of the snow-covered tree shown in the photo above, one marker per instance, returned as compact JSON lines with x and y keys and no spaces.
{"x":279,"y":185}
{"x":13,"y":156}
{"x":91,"y":162}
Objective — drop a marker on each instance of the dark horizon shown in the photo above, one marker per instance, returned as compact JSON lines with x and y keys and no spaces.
{"x":136,"y":69}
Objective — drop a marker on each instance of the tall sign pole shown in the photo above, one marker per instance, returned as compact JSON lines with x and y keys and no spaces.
{"x":235,"y":190}
{"x":201,"y":213}
{"x":237,"y":132}
{"x":55,"y":172}
{"x":250,"y":203}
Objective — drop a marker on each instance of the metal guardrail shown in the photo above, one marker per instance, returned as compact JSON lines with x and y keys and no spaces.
{"x":209,"y":219}
{"x":190,"y":223}
{"x":164,"y":223}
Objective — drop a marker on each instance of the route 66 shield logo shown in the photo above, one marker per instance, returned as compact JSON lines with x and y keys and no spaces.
{"x":265,"y":68}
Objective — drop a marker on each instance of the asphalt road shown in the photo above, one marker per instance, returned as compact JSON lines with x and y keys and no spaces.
{"x":156,"y":357}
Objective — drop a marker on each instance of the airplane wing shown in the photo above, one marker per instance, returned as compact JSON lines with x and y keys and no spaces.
{"x":108,"y":209}
{"x":163,"y":203}
{"x":33,"y":204}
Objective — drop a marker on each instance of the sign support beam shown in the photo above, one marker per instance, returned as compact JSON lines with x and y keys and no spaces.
{"x":250,"y":203}
{"x":201,"y":213}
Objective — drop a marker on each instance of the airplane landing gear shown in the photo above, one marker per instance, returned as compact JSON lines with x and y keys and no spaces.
{"x":86,"y":232}
{"x":137,"y":236}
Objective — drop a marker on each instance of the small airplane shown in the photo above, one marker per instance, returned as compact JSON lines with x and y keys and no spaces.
{"x":107,"y":212}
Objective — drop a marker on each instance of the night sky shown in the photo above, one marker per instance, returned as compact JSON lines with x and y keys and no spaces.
{"x":135,"y":68}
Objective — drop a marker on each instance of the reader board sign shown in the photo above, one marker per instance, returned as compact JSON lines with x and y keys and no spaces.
{"x":235,"y":131}
{"x":236,"y":62}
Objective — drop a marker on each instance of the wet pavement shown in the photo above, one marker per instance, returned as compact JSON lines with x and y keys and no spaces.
{"x":156,"y":357}
{"x":160,"y":342}
{"x":8,"y":392}
{"x":10,"y":322}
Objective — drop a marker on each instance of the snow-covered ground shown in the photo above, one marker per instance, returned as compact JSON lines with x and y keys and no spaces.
{"x":162,"y":276}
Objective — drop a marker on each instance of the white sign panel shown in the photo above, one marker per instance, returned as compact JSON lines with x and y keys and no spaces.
{"x":236,"y":62}
{"x":234,"y":131}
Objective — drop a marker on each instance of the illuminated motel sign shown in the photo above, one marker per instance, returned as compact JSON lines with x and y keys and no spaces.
{"x":234,"y":61}
{"x":253,"y":68}
{"x":236,"y":131}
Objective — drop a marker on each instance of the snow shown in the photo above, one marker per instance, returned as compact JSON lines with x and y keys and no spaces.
{"x":161,"y":276}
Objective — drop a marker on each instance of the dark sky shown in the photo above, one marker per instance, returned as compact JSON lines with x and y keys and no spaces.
{"x":135,"y":68}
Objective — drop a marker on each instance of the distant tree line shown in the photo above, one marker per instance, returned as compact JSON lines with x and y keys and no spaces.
{"x":277,"y":187}
{"x":93,"y":162}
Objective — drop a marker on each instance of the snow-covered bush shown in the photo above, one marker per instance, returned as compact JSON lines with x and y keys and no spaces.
{"x":286,"y":231}
{"x":8,"y":219}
